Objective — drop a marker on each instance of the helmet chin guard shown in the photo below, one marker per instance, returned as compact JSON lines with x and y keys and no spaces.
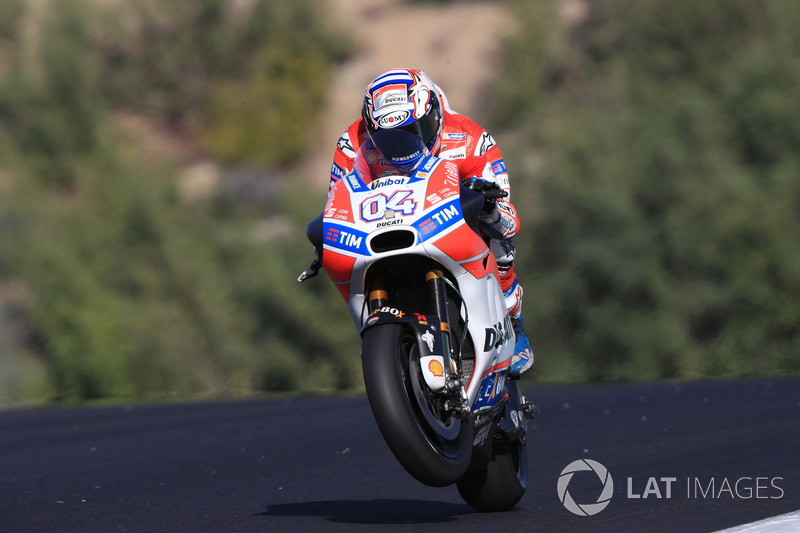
{"x":400,"y":147}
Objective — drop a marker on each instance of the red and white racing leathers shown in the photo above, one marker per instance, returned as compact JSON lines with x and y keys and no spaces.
{"x":476,"y":154}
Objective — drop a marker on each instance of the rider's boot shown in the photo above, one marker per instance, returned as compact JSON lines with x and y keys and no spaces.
{"x":522,"y":359}
{"x":505,"y":253}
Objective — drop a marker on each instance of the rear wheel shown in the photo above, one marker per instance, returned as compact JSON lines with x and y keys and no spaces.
{"x":501,"y":485}
{"x":502,"y":482}
{"x":430,"y":443}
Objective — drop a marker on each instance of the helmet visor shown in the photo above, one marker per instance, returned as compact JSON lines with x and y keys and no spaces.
{"x":399,"y":146}
{"x":427,"y":127}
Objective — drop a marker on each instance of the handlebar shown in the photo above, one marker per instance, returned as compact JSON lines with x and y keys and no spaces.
{"x":495,"y":194}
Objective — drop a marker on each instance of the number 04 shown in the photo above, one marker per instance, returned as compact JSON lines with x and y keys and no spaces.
{"x":372,"y":208}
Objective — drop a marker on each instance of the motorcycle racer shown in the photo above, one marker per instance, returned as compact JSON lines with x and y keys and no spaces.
{"x":408,"y":100}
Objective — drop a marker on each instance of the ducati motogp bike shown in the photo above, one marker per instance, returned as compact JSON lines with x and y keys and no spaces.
{"x":405,"y":251}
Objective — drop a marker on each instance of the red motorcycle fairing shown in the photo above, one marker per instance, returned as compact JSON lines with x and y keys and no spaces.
{"x":344,"y":241}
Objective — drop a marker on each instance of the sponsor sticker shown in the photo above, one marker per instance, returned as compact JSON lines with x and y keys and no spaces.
{"x":433,"y":371}
{"x":393,"y":119}
{"x":394,"y":94}
{"x":355,"y":183}
{"x":434,"y":198}
{"x":436,"y":368}
{"x":499,"y":167}
{"x":345,"y":238}
{"x":439,"y":220}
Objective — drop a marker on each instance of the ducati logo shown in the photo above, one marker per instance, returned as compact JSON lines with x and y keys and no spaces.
{"x":494,"y":338}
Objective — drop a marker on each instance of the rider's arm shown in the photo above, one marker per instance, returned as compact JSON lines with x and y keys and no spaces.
{"x":345,"y":153}
{"x":486,"y":163}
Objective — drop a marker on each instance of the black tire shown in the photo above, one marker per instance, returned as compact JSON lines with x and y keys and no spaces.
{"x":433,"y":447}
{"x":500,"y":485}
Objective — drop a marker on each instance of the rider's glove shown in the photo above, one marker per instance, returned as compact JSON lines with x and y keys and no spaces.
{"x":491,"y":192}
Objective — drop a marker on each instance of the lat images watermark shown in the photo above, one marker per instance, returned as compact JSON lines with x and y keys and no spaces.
{"x":690,"y":488}
{"x":741,"y":488}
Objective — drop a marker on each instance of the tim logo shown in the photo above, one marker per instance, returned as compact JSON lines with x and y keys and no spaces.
{"x":344,"y":238}
{"x":446,"y":214}
{"x":499,"y":167}
{"x":440,"y":220}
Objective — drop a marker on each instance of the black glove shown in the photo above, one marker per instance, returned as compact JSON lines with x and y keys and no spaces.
{"x":491,"y":192}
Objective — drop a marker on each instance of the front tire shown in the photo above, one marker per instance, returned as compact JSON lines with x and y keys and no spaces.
{"x":431,"y":444}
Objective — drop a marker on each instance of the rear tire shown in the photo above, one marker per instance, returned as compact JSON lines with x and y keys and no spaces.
{"x":500,"y":484}
{"x":432,"y":446}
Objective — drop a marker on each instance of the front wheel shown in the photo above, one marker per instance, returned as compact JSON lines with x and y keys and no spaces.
{"x":431,"y":444}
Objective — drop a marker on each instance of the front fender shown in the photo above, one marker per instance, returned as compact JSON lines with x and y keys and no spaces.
{"x":428,"y":334}
{"x":390,"y":315}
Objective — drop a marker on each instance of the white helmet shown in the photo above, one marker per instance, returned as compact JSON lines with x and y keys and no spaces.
{"x":403,"y":100}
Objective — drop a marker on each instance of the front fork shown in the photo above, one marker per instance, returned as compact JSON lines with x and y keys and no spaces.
{"x":456,"y":395}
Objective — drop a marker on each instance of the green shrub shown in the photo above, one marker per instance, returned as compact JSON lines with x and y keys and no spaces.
{"x":661,"y":237}
{"x":127,"y":291}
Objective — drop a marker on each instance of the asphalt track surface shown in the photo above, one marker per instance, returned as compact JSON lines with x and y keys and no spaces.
{"x":320,"y":464}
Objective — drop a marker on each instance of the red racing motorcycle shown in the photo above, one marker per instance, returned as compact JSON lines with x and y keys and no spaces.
{"x":405,"y":252}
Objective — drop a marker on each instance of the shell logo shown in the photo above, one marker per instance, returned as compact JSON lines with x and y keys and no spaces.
{"x":436,"y":368}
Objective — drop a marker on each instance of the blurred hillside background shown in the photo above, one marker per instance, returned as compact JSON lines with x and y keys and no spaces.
{"x":159,"y":162}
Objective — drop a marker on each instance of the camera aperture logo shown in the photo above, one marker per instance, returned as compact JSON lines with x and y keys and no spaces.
{"x":585,"y":509}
